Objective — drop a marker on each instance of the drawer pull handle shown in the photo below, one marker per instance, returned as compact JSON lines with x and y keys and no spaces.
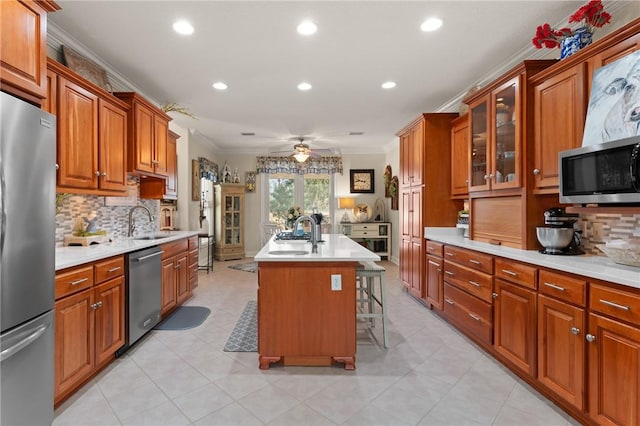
{"x":475,"y":284}
{"x":431,"y":262}
{"x":575,"y":331}
{"x":449,"y":301}
{"x":117,"y":268}
{"x":430,"y":248}
{"x":508,"y":272}
{"x":475,"y":317}
{"x":450,"y":254}
{"x":615,"y":305}
{"x":475,"y":262}
{"x":439,"y":270}
{"x":76,"y":282}
{"x":449,"y":273}
{"x":556,"y":287}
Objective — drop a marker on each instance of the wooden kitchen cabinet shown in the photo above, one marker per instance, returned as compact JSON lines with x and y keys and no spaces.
{"x":148,"y":132}
{"x":169,"y":300}
{"x":175,"y":275}
{"x":460,"y":157}
{"x":89,"y":322}
{"x":91,"y":133}
{"x":23,"y":48}
{"x":158,"y":188}
{"x":412,"y":236}
{"x":434,"y":281}
{"x":229,"y":221}
{"x":193,"y":262}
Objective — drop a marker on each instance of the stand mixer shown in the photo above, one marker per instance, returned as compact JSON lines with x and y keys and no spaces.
{"x":558,"y":236}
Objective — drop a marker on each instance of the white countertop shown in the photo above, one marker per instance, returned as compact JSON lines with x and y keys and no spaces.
{"x":72,"y":256}
{"x":335,"y":248}
{"x":588,"y":265}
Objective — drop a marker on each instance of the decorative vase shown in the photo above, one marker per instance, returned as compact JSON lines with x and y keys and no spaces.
{"x":570,"y":45}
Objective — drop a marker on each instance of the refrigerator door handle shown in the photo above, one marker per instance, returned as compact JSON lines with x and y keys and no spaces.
{"x":9,"y":352}
{"x":3,"y":213}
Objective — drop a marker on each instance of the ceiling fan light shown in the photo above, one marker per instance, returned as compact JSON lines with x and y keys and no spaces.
{"x":301,"y":157}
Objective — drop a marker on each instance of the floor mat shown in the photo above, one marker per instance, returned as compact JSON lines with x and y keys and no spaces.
{"x":247,"y":267}
{"x":244,"y":337}
{"x":184,"y":318}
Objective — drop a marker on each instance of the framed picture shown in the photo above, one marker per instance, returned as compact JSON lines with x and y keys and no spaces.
{"x":250,"y":182}
{"x":195,"y":180}
{"x":361,"y":181}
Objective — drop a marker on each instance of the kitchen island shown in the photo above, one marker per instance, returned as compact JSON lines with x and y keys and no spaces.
{"x":307,"y":301}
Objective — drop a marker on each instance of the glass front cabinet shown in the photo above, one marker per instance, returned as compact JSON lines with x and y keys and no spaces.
{"x":229,"y":223}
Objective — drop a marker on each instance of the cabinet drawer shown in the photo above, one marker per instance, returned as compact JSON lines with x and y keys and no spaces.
{"x":193,"y":258}
{"x":619,"y":304}
{"x":572,"y":290}
{"x":472,"y":259}
{"x":434,"y":248}
{"x":193,"y":242}
{"x":516,"y":272}
{"x":73,"y":280}
{"x":475,"y":282}
{"x":469,"y":312}
{"x":108,"y":269}
{"x":173,"y":248}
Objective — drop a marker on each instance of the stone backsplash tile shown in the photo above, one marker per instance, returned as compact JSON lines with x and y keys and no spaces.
{"x":614,"y":226}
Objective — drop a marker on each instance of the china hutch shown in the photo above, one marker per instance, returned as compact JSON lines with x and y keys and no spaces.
{"x":229,"y":221}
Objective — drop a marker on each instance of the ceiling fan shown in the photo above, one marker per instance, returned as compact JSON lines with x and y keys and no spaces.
{"x":301,"y":151}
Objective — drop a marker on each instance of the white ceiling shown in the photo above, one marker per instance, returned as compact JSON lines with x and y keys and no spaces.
{"x":255,"y":49}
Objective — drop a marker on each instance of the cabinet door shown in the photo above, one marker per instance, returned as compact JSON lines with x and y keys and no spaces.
{"x":74,"y":341}
{"x":405,"y":159}
{"x":171,"y":187}
{"x":109,"y":319}
{"x":561,"y":349}
{"x":415,"y":270}
{"x":50,"y":103}
{"x":434,"y":282}
{"x":415,"y":216}
{"x":460,"y":157}
{"x":23,"y":43}
{"x":504,"y":170}
{"x":405,"y":261}
{"x":183,"y":291}
{"x":168,"y":285}
{"x":515,"y":325}
{"x":417,"y":153}
{"x":113,"y":147}
{"x":77,"y":136}
{"x":559,"y":108}
{"x":141,"y":151}
{"x":160,"y":136}
{"x":480,"y":154}
{"x":614,"y":372}
{"x":405,"y":218}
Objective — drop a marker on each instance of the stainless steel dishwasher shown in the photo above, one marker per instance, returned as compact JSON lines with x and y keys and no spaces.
{"x":144,"y":293}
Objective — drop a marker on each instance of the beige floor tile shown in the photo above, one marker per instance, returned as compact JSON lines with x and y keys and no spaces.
{"x":268,"y":402}
{"x":202,"y":401}
{"x":231,"y":415}
{"x":301,"y":415}
{"x":135,"y":401}
{"x":166,"y":414}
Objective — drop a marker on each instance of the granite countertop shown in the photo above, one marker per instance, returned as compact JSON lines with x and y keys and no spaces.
{"x":588,"y":265}
{"x":335,"y":248}
{"x":73,"y":256}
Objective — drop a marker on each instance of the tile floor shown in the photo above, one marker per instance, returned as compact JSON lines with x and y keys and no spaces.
{"x":431,"y":375}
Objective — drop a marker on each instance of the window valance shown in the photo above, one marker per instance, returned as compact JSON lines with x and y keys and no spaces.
{"x":329,"y":164}
{"x":208,"y":169}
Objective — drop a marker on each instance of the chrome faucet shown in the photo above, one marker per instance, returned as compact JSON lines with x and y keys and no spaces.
{"x":314,"y":237}
{"x":132,"y":222}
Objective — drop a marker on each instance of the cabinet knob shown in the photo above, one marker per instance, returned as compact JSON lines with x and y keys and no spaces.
{"x":57,"y":166}
{"x":486,"y":177}
{"x":590,"y":338}
{"x":466,"y":181}
{"x":494,"y":295}
{"x":536,"y":171}
{"x":103,"y":174}
{"x":575,"y":331}
{"x":97,"y":172}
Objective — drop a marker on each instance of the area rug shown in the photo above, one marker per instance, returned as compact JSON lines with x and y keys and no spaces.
{"x":247,"y":267}
{"x":244,"y":337}
{"x":184,"y":318}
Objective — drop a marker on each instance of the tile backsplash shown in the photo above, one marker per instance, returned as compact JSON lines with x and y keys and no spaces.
{"x":614,"y":226}
{"x":111,"y":218}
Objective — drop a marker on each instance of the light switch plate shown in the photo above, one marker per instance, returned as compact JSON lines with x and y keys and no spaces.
{"x":336,"y":282}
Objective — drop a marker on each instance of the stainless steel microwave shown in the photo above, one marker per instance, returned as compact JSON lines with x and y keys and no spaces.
{"x":603,"y":174}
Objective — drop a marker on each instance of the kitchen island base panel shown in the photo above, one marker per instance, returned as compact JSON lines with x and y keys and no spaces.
{"x":301,"y":320}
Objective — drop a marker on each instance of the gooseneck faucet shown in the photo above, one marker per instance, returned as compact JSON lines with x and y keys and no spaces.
{"x":314,"y":237}
{"x":132,"y":222}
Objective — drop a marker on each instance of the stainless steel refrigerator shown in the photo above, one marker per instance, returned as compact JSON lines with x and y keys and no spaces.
{"x":27,"y":262}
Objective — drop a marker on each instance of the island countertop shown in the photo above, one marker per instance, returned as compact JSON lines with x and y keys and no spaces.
{"x":335,"y":248}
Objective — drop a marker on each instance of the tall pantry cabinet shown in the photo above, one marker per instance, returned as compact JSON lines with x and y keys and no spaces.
{"x":425,"y":183}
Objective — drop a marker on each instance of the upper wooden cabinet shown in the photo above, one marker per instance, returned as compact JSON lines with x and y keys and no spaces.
{"x":411,"y":154}
{"x":460,"y":157}
{"x":92,"y":138}
{"x":148,"y":134}
{"x":23,"y":48}
{"x":158,"y":188}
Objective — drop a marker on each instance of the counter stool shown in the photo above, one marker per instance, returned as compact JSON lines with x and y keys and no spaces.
{"x":209,"y":241}
{"x":366,"y":273}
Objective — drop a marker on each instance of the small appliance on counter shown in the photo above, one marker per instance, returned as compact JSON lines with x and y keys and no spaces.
{"x":463,"y":222}
{"x":558,"y":236}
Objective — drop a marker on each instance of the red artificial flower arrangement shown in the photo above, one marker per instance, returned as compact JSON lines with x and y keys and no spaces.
{"x":591,"y":15}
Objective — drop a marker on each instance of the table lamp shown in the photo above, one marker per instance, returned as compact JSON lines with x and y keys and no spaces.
{"x":346,"y":203}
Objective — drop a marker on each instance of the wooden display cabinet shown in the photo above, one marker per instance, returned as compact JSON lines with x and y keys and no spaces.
{"x":229,"y":221}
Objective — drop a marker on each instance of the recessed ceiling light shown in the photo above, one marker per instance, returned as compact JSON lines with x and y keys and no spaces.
{"x":219,"y":85}
{"x":307,"y":28}
{"x":388,"y":84}
{"x":183,"y":27}
{"x":431,"y":24}
{"x":304,"y":86}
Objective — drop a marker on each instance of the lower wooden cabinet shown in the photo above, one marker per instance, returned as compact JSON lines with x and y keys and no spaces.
{"x":193,"y":262}
{"x":434,"y":287}
{"x":183,"y":291}
{"x":175,"y":275}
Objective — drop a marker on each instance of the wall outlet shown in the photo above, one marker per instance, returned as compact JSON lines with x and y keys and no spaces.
{"x":336,"y":282}
{"x":598,"y":231}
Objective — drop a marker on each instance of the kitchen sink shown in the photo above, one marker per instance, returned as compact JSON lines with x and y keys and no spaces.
{"x":152,"y":237}
{"x":288,"y":252}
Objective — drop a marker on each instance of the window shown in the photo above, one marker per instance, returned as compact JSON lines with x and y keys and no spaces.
{"x":312,"y":192}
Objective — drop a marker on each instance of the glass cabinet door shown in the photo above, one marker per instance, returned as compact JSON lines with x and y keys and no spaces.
{"x":505,"y":169}
{"x":479,"y":146}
